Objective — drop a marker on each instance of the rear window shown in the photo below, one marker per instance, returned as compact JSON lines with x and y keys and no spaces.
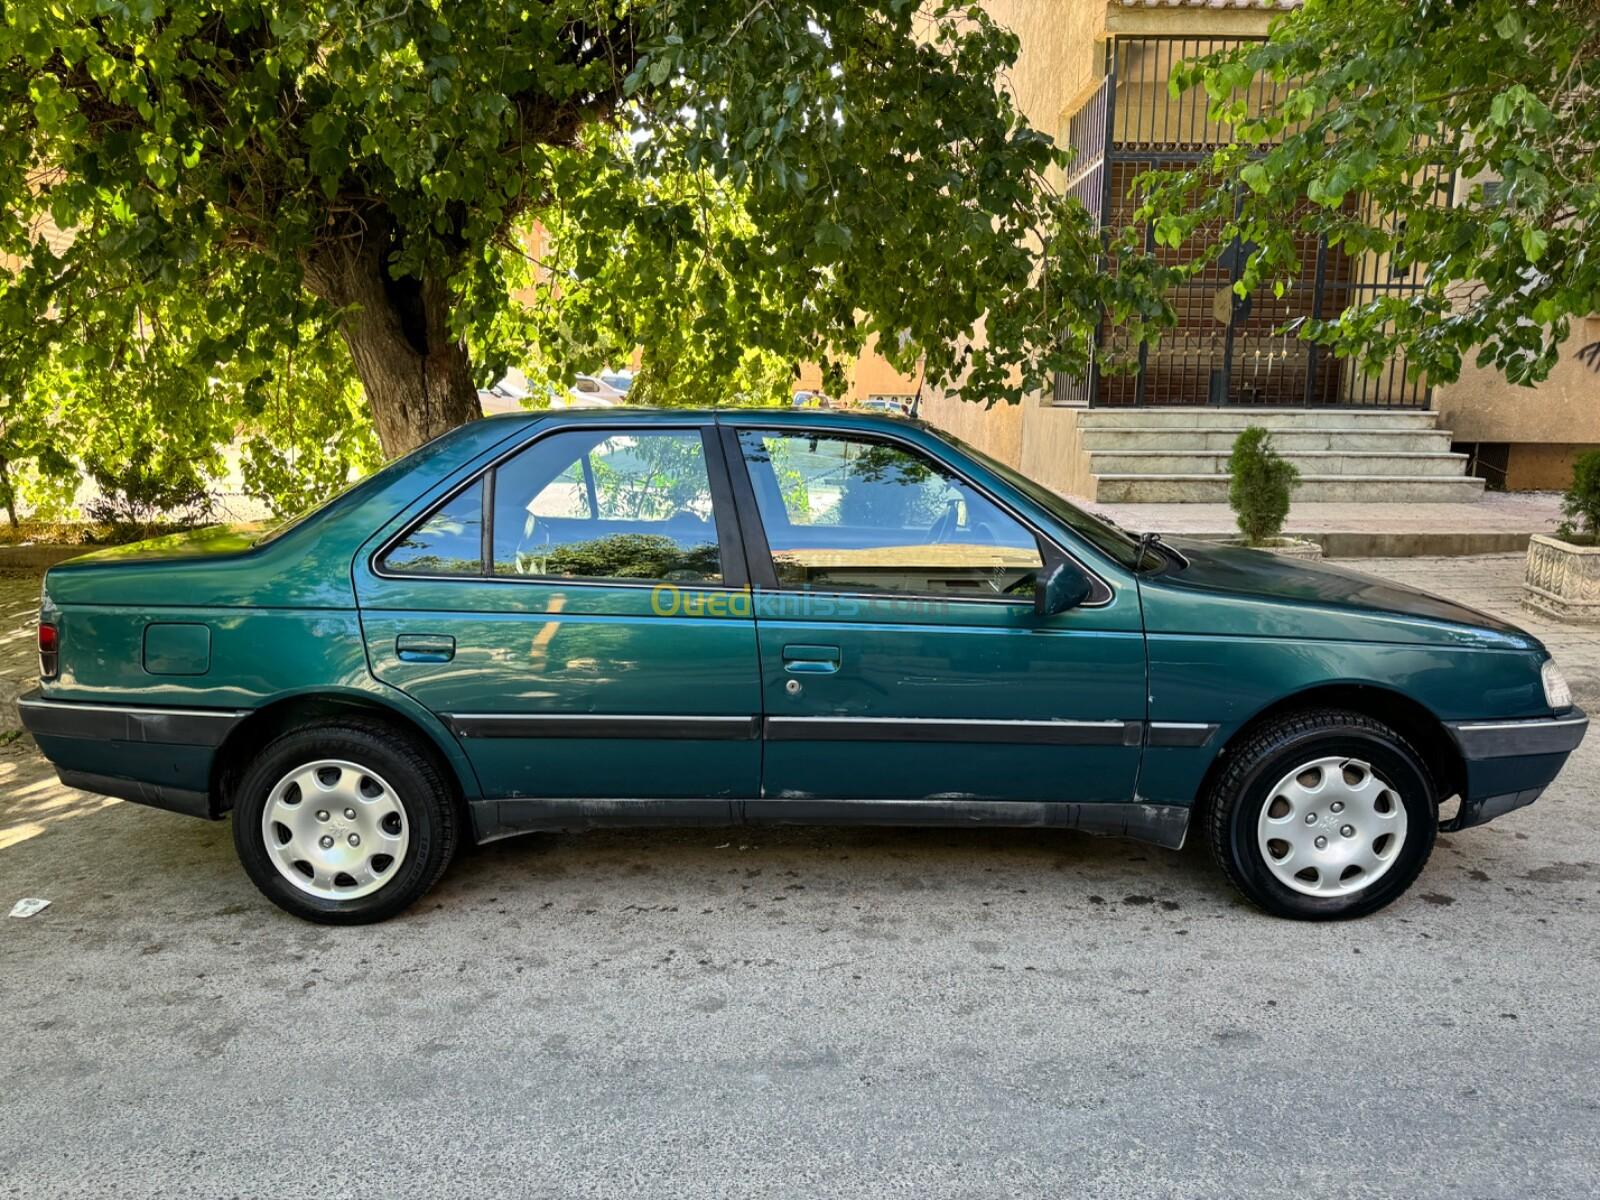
{"x":630,"y":504}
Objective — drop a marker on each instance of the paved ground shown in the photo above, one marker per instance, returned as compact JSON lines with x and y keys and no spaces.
{"x":811,"y":1013}
{"x":1497,"y":512}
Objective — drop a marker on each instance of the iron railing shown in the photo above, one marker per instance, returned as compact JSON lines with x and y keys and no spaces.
{"x":1223,"y":351}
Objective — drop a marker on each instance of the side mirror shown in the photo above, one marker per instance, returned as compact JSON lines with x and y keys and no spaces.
{"x":1057,"y":588}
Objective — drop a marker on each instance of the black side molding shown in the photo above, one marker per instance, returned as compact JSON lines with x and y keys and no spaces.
{"x":1181,"y":734}
{"x":518,"y":725}
{"x":892,"y":729}
{"x":126,"y":722}
{"x":1159,"y":824}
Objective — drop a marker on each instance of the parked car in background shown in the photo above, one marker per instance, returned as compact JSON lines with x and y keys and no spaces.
{"x":621,"y":380}
{"x":596,"y":388}
{"x":804,"y":399}
{"x":883,"y":404}
{"x":577,"y":619}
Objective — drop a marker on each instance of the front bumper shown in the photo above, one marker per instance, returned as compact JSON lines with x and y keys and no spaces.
{"x":1510,"y":763}
{"x":150,"y":755}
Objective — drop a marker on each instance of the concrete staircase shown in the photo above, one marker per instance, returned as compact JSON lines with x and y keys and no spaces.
{"x":1174,"y":455}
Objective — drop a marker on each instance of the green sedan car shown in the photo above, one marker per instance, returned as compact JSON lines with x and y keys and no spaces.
{"x":634,"y":618}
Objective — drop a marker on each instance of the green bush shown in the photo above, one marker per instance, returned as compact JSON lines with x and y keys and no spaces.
{"x":1261,"y":483}
{"x":141,"y":496}
{"x":1580,"y":504}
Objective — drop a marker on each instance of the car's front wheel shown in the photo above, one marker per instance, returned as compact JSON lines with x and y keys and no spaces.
{"x":1322,"y":815}
{"x":344,"y":824}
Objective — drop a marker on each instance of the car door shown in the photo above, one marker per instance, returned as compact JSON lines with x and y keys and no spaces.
{"x":577,"y":615}
{"x":901,"y":657}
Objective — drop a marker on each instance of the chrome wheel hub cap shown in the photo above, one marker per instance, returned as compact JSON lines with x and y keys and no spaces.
{"x":1331,"y":827}
{"x":335,"y":829}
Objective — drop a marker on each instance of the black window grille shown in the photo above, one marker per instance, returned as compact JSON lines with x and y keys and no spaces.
{"x":1224,"y":351}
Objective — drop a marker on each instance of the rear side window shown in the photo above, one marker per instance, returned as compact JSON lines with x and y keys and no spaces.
{"x":448,"y":541}
{"x":608,"y":505}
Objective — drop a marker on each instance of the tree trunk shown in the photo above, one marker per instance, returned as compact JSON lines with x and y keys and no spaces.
{"x":416,"y":376}
{"x":7,"y":496}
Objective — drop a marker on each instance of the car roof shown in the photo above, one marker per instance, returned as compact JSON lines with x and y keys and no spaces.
{"x":833,"y":418}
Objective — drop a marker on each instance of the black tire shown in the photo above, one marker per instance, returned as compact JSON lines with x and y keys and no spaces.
{"x":1234,"y":803}
{"x":418,"y":786}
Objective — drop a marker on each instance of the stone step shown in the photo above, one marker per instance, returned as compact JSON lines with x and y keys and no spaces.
{"x":1366,"y":489}
{"x":1271,"y":418}
{"x":1285,"y":441}
{"x":1315,"y":463}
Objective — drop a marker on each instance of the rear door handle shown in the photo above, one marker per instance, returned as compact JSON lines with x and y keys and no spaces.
{"x":810,"y":660}
{"x":425,"y":647}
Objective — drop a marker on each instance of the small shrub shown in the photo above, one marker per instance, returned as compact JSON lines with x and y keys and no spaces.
{"x":140,"y":498}
{"x":1260,"y":486}
{"x":1580,"y":504}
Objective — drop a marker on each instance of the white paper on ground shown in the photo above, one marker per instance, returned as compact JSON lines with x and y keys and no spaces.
{"x":28,"y":906}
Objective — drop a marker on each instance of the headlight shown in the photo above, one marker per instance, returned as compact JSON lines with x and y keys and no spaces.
{"x":1556,"y":692}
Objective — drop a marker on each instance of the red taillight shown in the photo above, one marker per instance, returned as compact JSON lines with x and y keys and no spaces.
{"x":49,"y":651}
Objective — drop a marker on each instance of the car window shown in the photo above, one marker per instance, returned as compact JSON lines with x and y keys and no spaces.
{"x":854,"y":513}
{"x":1114,"y":541}
{"x":448,"y":541}
{"x":599,"y":504}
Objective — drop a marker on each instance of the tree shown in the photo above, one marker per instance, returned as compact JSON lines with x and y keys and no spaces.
{"x":370,"y":159}
{"x":1398,"y":100}
{"x":586,"y":299}
{"x":121,"y":391}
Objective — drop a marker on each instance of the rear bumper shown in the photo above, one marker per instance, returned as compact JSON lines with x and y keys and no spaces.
{"x":151,"y":755}
{"x":1510,"y":763}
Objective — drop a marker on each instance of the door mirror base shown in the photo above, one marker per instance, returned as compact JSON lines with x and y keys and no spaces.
{"x":1058,"y":587}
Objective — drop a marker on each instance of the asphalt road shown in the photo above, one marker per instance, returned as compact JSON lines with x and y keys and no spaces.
{"x":808,"y":1013}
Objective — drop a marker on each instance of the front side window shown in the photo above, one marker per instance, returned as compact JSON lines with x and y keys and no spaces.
{"x":604,"y":504}
{"x":848,"y":513}
{"x":448,"y":541}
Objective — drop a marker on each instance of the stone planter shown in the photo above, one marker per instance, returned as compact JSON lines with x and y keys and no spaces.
{"x":1284,"y":547}
{"x":1562,"y":580}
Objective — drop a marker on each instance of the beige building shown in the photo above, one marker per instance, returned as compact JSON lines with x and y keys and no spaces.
{"x":1094,"y":73}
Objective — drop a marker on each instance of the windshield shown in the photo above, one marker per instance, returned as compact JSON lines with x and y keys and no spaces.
{"x":1104,"y":536}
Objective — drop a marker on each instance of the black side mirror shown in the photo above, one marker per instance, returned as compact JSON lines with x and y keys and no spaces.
{"x":1057,"y":588}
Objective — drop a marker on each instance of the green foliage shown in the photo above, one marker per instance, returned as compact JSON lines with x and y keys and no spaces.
{"x":117,"y":395}
{"x":633,"y":556}
{"x":728,"y":177}
{"x":307,"y":432}
{"x":1259,"y":486}
{"x":137,"y":495}
{"x":1580,"y":504}
{"x":1395,"y":101}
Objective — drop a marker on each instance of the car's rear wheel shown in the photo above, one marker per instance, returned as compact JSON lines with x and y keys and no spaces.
{"x":343,"y":824}
{"x":1323,"y":815}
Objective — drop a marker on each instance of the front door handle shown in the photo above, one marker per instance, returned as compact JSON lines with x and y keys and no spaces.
{"x":811,"y":660}
{"x":425,"y":647}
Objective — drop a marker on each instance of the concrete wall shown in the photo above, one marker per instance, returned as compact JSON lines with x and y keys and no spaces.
{"x":996,"y":431}
{"x":1532,"y":467}
{"x":1565,"y":409}
{"x":1546,"y":426}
